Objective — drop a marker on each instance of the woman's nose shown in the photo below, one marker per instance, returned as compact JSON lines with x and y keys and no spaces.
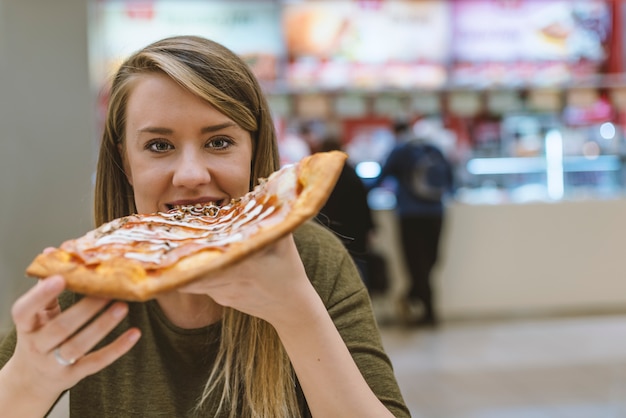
{"x":191,"y":171}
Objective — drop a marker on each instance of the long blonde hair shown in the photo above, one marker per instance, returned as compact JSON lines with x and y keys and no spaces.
{"x":252,"y":369}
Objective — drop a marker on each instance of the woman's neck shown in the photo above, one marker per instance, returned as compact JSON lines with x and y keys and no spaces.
{"x":189,"y":311}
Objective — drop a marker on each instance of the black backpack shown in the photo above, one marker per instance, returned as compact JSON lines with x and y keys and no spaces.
{"x":428,"y":177}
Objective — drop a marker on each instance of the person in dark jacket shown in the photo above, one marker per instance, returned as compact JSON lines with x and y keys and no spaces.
{"x":347,"y":212}
{"x":424,"y":177}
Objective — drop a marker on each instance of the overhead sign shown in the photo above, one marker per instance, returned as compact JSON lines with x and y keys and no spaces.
{"x":530,"y":30}
{"x":250,"y":28}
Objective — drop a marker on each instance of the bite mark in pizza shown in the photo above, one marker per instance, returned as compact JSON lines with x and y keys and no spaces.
{"x":139,"y":256}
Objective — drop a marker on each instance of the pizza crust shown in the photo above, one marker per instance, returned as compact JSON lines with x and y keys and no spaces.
{"x":128,"y":279}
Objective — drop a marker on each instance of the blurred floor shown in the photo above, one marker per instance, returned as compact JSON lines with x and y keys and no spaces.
{"x":551,"y":368}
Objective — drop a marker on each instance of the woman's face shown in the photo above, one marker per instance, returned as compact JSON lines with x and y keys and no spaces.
{"x":180,"y":150}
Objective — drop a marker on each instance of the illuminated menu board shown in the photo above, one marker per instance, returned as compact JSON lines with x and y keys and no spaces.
{"x":250,"y":28}
{"x":372,"y":44}
{"x":367,"y":44}
{"x":528,"y":41}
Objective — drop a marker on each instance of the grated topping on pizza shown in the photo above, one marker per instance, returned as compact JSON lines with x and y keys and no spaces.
{"x":158,"y":240}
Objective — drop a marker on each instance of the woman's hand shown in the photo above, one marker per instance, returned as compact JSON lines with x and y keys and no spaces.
{"x":270,"y":284}
{"x":53,"y":347}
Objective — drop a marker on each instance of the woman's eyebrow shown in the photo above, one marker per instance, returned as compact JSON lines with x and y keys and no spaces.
{"x":218,"y":127}
{"x":168,"y":131}
{"x":155,"y":130}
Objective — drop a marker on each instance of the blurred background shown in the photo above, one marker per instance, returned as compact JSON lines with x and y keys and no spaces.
{"x":529,"y":101}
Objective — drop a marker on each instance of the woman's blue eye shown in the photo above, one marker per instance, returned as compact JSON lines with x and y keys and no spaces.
{"x":158,"y":146}
{"x":219,"y":143}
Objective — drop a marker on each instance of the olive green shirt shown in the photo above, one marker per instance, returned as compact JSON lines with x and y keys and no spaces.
{"x":164,"y":374}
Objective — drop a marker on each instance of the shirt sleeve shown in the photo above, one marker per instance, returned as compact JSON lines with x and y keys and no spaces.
{"x":391,"y":165}
{"x":7,"y":346}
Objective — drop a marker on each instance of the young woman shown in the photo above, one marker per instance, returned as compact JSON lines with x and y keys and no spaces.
{"x":288,"y":332}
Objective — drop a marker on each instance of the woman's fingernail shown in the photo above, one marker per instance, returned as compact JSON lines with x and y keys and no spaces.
{"x":133,"y":335}
{"x":119,"y":310}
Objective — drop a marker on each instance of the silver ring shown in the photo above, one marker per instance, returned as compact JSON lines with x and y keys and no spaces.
{"x":59,"y":358}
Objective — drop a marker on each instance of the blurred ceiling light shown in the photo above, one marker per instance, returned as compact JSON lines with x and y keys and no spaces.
{"x":368,"y":169}
{"x":554,"y":163}
{"x":607,"y":130}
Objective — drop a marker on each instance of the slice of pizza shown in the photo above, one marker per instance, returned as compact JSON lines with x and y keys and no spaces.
{"x":138,"y":256}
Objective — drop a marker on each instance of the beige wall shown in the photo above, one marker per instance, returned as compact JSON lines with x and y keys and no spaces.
{"x":519,"y":260}
{"x":542,"y":258}
{"x":47,"y":134}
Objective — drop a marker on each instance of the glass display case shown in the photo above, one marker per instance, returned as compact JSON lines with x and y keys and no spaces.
{"x":541,"y":157}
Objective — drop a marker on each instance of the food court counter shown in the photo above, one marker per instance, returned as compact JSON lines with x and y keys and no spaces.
{"x":523,"y":259}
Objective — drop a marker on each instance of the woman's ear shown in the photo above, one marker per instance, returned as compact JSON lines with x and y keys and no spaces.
{"x":125,"y":165}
